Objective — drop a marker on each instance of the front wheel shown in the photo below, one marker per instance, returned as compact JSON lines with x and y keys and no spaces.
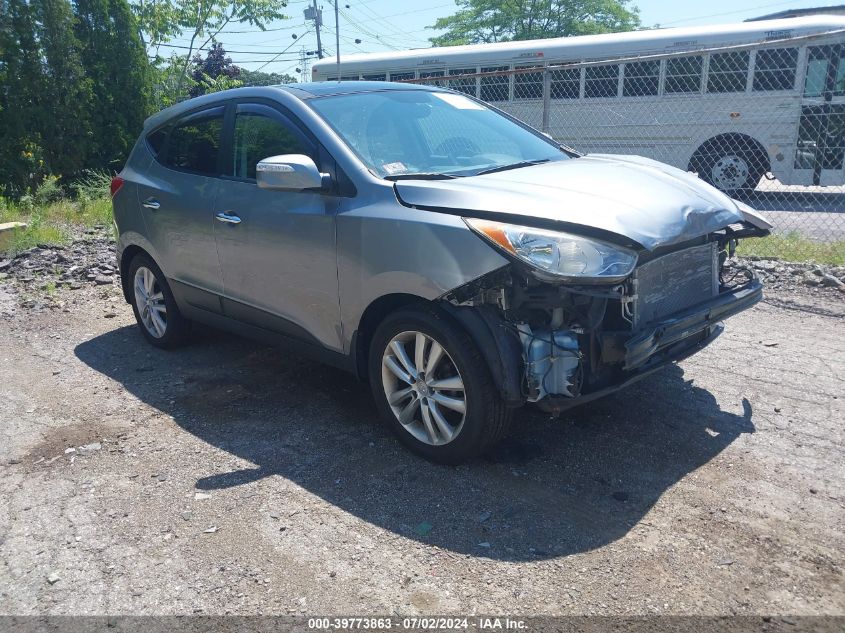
{"x":154,"y":306}
{"x":433,"y":388}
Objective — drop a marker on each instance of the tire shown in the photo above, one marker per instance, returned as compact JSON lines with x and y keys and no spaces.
{"x":427,"y":427}
{"x":729,"y":165}
{"x":169,"y":330}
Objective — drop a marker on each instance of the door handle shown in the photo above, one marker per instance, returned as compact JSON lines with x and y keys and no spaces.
{"x":228,"y":218}
{"x":151,"y":203}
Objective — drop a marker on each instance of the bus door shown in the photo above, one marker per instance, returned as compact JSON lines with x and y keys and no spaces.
{"x":820,"y":150}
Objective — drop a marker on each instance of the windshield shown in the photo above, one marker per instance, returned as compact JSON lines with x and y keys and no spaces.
{"x":399,"y":133}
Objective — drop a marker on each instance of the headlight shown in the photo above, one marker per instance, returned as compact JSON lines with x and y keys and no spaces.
{"x":559,"y":256}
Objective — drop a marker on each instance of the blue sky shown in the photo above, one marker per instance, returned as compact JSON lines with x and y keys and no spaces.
{"x":384,"y":25}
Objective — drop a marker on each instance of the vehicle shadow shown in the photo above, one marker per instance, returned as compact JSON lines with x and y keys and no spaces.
{"x":552,"y":488}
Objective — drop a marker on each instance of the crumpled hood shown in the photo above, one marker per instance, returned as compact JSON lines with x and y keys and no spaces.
{"x":641,"y":199}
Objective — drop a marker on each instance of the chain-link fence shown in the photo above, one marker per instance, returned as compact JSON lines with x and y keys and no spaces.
{"x":764,"y":124}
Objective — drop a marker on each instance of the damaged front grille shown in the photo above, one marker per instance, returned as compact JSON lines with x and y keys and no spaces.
{"x":674,"y":282}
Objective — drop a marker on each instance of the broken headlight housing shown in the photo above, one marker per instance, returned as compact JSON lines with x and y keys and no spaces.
{"x":558,"y":256}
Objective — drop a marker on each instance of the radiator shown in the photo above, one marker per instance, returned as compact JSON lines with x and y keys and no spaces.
{"x":674,"y":282}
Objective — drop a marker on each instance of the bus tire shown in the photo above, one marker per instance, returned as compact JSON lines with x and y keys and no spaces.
{"x":733,"y":163}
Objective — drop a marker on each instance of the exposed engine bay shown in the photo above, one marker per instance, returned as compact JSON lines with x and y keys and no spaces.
{"x":575,"y":342}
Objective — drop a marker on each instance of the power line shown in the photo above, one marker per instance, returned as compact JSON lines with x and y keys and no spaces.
{"x":226,"y":50}
{"x":716,"y":15}
{"x":368,"y":33}
{"x":257,"y":61}
{"x":289,"y":46}
{"x":395,"y":28}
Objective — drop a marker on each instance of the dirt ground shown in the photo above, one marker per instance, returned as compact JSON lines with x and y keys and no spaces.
{"x":229,"y":477}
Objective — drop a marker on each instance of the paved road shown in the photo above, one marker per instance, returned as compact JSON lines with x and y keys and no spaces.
{"x":817,"y":215}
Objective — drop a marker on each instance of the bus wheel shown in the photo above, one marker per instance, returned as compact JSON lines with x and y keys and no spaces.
{"x":733,"y":164}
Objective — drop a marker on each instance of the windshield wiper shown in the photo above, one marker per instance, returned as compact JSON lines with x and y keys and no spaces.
{"x":421,"y":176}
{"x":525,"y":163}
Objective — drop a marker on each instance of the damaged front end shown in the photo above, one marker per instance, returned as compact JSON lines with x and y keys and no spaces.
{"x":561,"y":342}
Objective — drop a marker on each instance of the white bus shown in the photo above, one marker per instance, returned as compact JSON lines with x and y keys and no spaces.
{"x":731,"y":102}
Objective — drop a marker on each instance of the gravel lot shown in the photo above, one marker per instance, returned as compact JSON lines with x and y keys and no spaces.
{"x":229,"y":477}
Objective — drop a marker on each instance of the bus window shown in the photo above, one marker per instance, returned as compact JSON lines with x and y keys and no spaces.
{"x":641,"y":79}
{"x":839,"y":80}
{"x":774,"y":69}
{"x":683,"y":75}
{"x":402,"y":76}
{"x":528,"y":85}
{"x":428,"y":74}
{"x":494,"y":88}
{"x":728,"y":72}
{"x":601,"y":81}
{"x":820,"y":77}
{"x":566,"y":84}
{"x":379,"y":77}
{"x":466,"y":84}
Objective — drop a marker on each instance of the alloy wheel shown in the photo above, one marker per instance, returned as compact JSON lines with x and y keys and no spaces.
{"x":424,"y":388}
{"x":149,"y":299}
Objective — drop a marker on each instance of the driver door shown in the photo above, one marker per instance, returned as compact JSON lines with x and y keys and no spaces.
{"x":276,"y":248}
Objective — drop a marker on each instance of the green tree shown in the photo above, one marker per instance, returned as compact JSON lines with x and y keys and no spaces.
{"x":21,"y":87}
{"x":115,"y":61}
{"x":200,"y":21}
{"x":65,"y":102}
{"x":258,"y":78}
{"x":478,"y":21}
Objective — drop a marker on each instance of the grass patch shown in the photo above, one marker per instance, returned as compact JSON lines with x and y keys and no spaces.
{"x":51,"y":217}
{"x":794,"y":247}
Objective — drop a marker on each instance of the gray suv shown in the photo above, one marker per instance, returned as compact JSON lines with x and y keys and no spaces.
{"x":459,"y":261}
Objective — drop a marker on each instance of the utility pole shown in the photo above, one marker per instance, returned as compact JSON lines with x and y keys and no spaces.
{"x":337,"y":36}
{"x":313,"y":13}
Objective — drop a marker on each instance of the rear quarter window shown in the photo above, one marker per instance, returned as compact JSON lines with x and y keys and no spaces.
{"x":155,"y":141}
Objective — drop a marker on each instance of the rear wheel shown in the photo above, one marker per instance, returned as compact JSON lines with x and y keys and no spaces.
{"x":732,"y":166}
{"x":155,"y":308}
{"x":433,"y":388}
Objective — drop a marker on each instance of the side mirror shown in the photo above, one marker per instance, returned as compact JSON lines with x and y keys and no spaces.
{"x":288,"y":172}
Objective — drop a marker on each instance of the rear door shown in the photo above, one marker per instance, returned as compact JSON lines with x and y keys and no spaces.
{"x":177,"y":203}
{"x":277,"y":248}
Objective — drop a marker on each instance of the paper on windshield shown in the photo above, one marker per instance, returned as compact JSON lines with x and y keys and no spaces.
{"x":458,"y":101}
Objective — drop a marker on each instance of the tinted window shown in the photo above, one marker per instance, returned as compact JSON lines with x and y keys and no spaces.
{"x":728,"y":72}
{"x":566,"y":84}
{"x":774,"y":69}
{"x":379,"y":77}
{"x":641,"y":79}
{"x":155,"y":141}
{"x":195,"y":143}
{"x":494,"y":88}
{"x":683,"y":74}
{"x":402,"y":76}
{"x":258,"y":137}
{"x":601,"y":81}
